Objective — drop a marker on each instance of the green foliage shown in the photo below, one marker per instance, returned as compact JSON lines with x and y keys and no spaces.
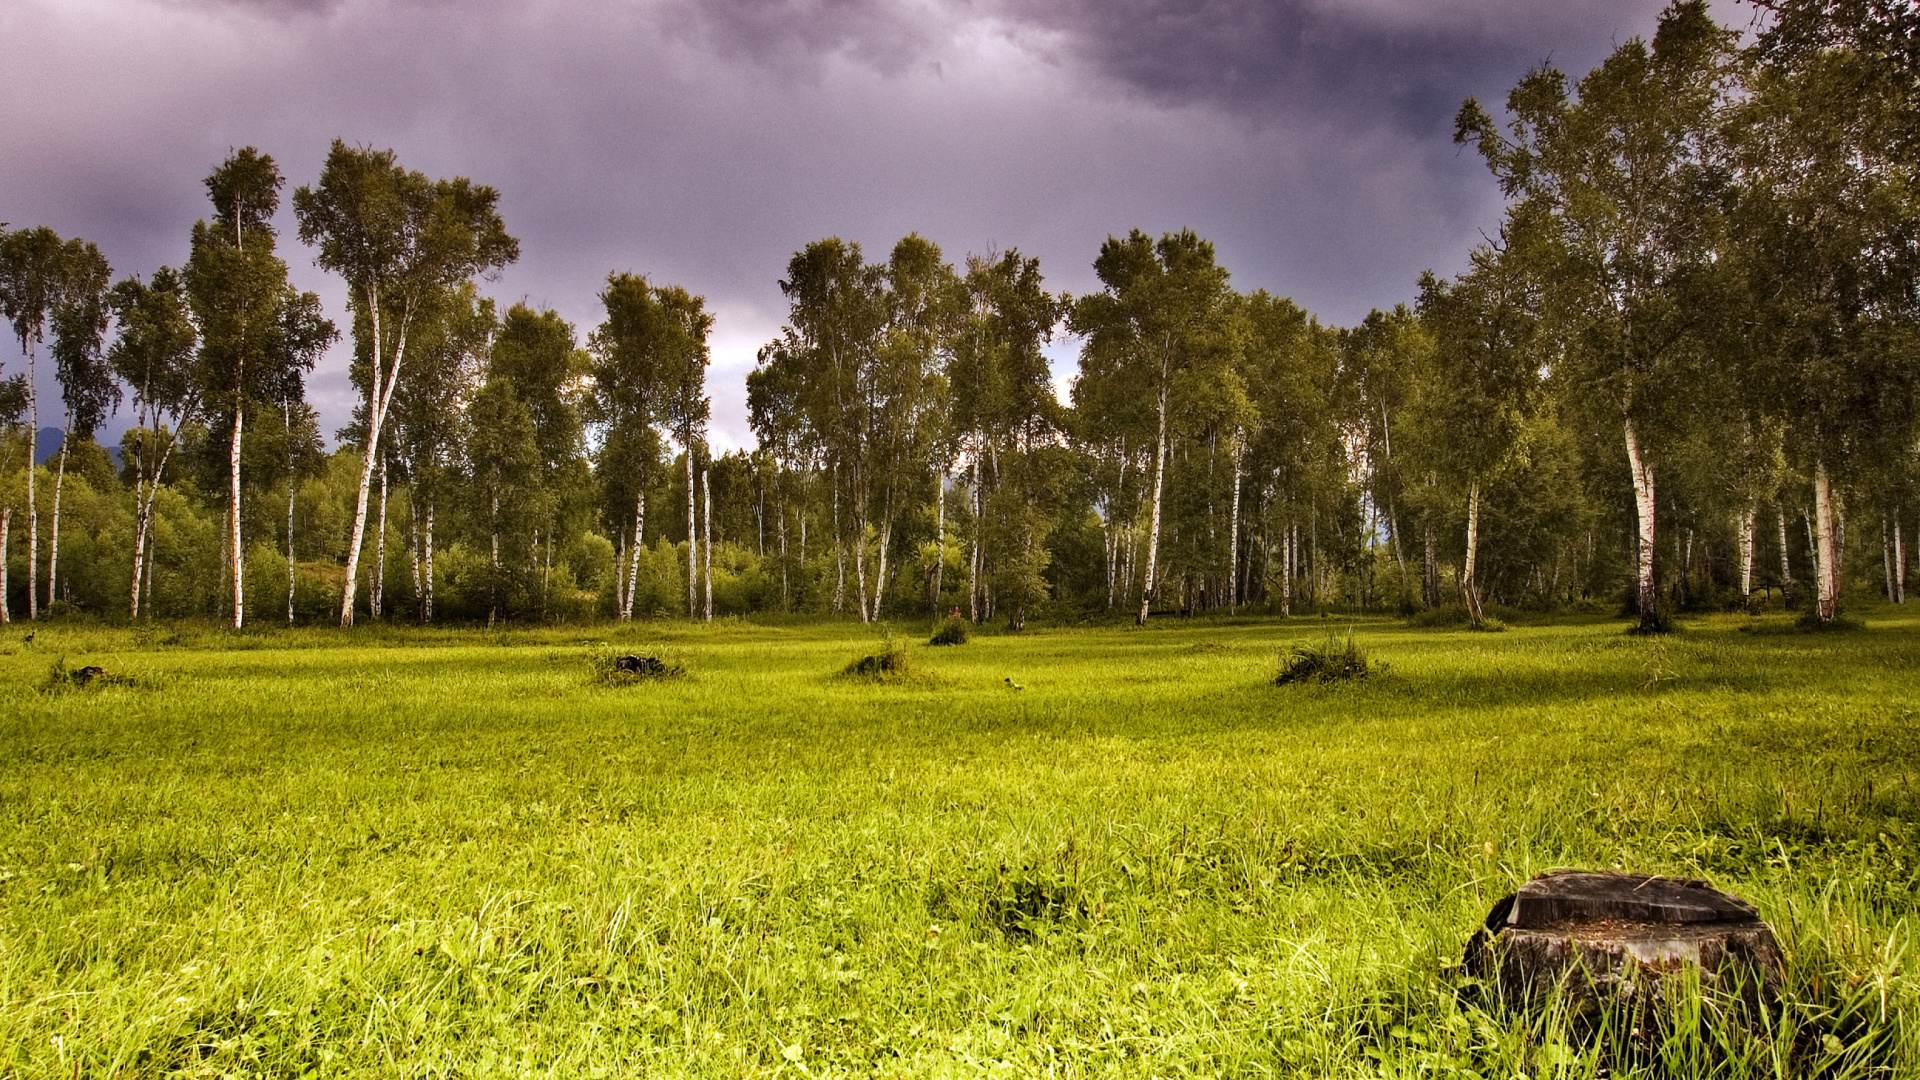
{"x":1331,"y":661}
{"x":609,"y":665}
{"x":951,"y":632}
{"x":889,"y":664}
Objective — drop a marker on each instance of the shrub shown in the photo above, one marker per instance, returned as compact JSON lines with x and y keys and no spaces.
{"x":1488,"y":625}
{"x":1449,"y":615}
{"x":889,"y":663}
{"x":1330,"y":661}
{"x":950,"y":632}
{"x":610,"y":667}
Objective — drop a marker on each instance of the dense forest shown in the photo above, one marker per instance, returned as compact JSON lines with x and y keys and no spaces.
{"x":1680,"y":374}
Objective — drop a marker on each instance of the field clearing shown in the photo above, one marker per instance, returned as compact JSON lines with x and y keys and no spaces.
{"x":455,"y":853}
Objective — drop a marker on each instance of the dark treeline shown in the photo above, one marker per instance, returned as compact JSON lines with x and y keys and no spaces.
{"x":1681,"y":373}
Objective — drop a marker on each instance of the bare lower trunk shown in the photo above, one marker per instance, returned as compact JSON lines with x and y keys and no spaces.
{"x":1430,"y":568}
{"x":1153,"y":522}
{"x":780,"y":530}
{"x":493,"y":577}
{"x":1886,"y":555}
{"x":426,"y":606}
{"x":939,"y":538}
{"x":1746,"y":550}
{"x":1286,"y":572}
{"x":6,"y":535}
{"x":1469,"y":585}
{"x":238,"y":566}
{"x":633,"y":557}
{"x":33,"y":498}
{"x":292,"y":579}
{"x":1643,"y":494}
{"x":1233,"y":533}
{"x":706,"y":537}
{"x":693,"y":545}
{"x":377,"y":588}
{"x":973,"y":561}
{"x":880,"y":562}
{"x":1786,"y":564}
{"x":1899,"y":562}
{"x":386,"y":376}
{"x":1826,"y":558}
{"x":53,"y":525}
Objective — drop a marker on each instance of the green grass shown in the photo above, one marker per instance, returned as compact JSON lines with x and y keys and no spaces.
{"x":448,"y":853}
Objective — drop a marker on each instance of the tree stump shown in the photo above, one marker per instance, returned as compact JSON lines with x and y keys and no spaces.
{"x":1600,"y":939}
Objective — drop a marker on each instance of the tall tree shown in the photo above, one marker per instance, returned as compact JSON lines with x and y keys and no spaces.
{"x":1622,"y":172}
{"x":400,"y":240}
{"x":153,"y":354}
{"x":87,"y":387}
{"x":257,"y":333}
{"x":685,"y":409}
{"x":648,"y":342}
{"x":32,"y":263}
{"x":1161,"y":313}
{"x":534,"y":353}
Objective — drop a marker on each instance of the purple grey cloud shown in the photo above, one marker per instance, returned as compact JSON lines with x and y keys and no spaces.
{"x":703,"y":141}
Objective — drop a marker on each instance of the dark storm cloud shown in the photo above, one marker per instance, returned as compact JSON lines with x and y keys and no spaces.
{"x":703,"y":141}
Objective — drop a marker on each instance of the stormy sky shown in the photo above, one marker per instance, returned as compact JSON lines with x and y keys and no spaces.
{"x":702,"y":142}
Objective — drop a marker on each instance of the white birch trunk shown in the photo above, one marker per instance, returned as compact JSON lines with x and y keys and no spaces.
{"x":33,"y":498}
{"x":939,"y":538}
{"x":706,"y":537}
{"x":233,"y":516}
{"x":1643,"y":495}
{"x":6,"y":535}
{"x":380,"y":394}
{"x":1153,"y":522}
{"x":1786,"y":564}
{"x":1826,"y":558}
{"x":1233,"y":535}
{"x":53,"y":525}
{"x":1899,"y":562}
{"x":377,"y":588}
{"x":1746,"y":551}
{"x":1286,"y":572}
{"x":633,"y":556}
{"x":427,"y":606}
{"x":973,"y":561}
{"x":693,"y":545}
{"x":1469,"y":582}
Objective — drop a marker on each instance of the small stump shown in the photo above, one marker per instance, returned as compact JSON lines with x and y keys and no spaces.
{"x":1602,"y":939}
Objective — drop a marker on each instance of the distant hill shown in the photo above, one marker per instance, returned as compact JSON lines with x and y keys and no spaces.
{"x":46,"y":443}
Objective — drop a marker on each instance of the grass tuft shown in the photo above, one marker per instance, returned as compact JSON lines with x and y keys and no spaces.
{"x":888,"y":665}
{"x":1330,"y":661}
{"x":950,"y":632}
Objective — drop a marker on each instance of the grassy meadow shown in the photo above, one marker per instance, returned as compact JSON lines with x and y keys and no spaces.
{"x":1071,"y":852}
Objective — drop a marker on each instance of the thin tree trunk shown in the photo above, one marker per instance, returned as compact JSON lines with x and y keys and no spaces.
{"x":1430,"y":568}
{"x":939,"y":538}
{"x":973,"y":561}
{"x":53,"y":524}
{"x":293,"y":485}
{"x":706,"y":537}
{"x":1153,"y":527}
{"x":6,"y":535}
{"x":1469,"y":585}
{"x":238,"y":566}
{"x":1886,"y":556}
{"x":1899,"y":561}
{"x":880,"y":562}
{"x":1233,"y":536}
{"x":380,"y":391}
{"x":1786,"y":563}
{"x":1826,"y":557}
{"x":693,"y":544}
{"x":377,"y":588}
{"x":1286,"y":572}
{"x":1643,"y":495}
{"x":780,"y":530}
{"x":633,"y":557}
{"x":1746,"y":550}
{"x":493,"y":577}
{"x":33,"y":498}
{"x":428,"y":570}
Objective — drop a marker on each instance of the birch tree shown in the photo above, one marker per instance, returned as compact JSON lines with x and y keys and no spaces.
{"x":399,"y":240}
{"x":31,"y":263}
{"x":1621,"y":171}
{"x":1160,"y":313}
{"x":152,"y":353}
{"x":87,"y":386}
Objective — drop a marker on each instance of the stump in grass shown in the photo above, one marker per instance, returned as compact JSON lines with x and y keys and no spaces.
{"x":639,"y":665}
{"x":1603,"y":940}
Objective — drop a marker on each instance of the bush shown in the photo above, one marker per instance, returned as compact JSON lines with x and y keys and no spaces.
{"x":951,"y":632}
{"x":1330,"y":661}
{"x":889,"y":663}
{"x":608,"y":666}
{"x":1488,"y":625}
{"x":1449,"y":615}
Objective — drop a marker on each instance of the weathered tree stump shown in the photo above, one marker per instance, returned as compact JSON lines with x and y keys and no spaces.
{"x":1599,"y":939}
{"x":640,"y":665}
